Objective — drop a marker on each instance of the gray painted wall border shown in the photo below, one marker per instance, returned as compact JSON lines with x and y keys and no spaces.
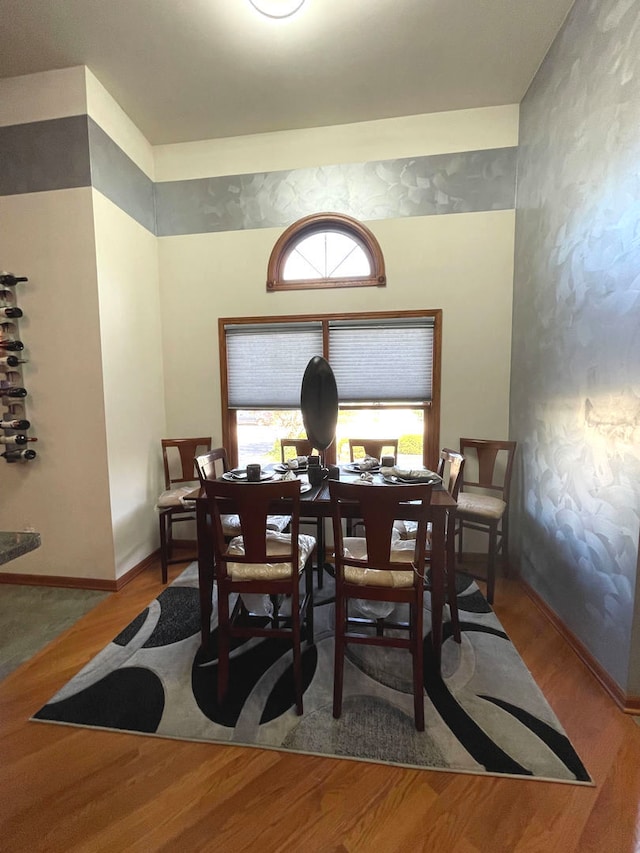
{"x":44,"y":155}
{"x":386,"y":189}
{"x":117,"y":177}
{"x":75,"y":151}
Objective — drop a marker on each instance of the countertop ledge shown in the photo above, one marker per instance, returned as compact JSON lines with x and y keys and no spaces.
{"x":14,"y":545}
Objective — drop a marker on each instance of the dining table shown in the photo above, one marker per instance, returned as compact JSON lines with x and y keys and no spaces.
{"x":315,"y":503}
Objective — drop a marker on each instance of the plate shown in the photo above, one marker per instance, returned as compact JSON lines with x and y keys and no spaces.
{"x":394,"y":480}
{"x":305,"y":487}
{"x":240,"y":475}
{"x":354,"y":468}
{"x":282,"y":469}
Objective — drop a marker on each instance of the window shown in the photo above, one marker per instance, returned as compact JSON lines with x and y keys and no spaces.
{"x":325,"y":250}
{"x":387,"y":369}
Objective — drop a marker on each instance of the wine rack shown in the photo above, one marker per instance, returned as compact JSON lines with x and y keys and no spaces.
{"x":15,"y":441}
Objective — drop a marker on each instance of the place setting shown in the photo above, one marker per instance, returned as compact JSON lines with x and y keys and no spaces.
{"x":250,"y":474}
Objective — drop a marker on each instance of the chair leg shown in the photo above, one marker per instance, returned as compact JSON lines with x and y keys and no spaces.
{"x":223,"y":644}
{"x":491,"y":565}
{"x":451,"y":584}
{"x":308,"y":584}
{"x":320,"y":550}
{"x":453,"y":604}
{"x":297,"y":653}
{"x":338,"y":668}
{"x":163,"y":547}
{"x":418,"y":667}
{"x":504,"y":540}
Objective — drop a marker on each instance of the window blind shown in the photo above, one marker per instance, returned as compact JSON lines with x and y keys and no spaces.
{"x":386,"y":359}
{"x":266,"y":363}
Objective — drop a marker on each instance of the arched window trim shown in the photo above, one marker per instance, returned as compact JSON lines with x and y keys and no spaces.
{"x":318,"y":222}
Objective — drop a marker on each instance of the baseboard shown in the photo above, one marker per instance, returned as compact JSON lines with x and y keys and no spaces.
{"x":103,"y":585}
{"x":628,"y":703}
{"x":150,"y":560}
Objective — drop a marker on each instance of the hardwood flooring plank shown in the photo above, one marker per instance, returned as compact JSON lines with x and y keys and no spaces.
{"x":70,"y":789}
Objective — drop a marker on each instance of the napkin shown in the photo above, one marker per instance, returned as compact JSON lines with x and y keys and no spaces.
{"x":417,"y":475}
{"x":297,"y":462}
{"x":367,"y":463}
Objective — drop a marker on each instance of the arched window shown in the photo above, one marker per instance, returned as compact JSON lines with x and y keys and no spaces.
{"x":326,"y":250}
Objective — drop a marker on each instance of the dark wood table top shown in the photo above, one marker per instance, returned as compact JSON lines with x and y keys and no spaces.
{"x":316,"y":501}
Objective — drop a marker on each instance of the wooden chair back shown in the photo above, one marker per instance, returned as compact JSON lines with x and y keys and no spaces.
{"x":373,"y":447}
{"x":253,"y":503}
{"x":493,"y":465}
{"x":378,"y":507}
{"x":300,"y":447}
{"x":451,"y":469}
{"x":212,"y":465}
{"x":178,"y":455}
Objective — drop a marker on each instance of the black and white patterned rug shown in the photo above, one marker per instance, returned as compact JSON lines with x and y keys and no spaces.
{"x":484,"y":715}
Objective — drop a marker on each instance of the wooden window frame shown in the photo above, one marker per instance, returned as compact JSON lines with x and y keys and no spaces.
{"x":318,"y":222}
{"x":431,"y":409}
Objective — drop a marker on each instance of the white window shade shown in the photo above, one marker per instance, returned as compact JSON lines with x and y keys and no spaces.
{"x":386,"y":360}
{"x":266,"y":363}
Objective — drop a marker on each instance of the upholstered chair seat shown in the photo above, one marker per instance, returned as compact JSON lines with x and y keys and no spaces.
{"x":483,"y":506}
{"x":277,"y":543}
{"x":401,"y":551}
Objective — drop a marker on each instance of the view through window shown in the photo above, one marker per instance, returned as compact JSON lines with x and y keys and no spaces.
{"x":259,"y":433}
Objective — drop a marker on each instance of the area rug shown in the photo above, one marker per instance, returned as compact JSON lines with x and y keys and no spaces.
{"x":484,"y":715}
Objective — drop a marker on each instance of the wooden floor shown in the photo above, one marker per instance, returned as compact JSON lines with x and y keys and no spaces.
{"x":71,"y":789}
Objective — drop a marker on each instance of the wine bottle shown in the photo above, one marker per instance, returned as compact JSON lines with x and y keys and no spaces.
{"x":8,"y":279}
{"x":11,"y":311}
{"x":14,"y":440}
{"x":12,"y":346}
{"x":7,"y":361}
{"x":15,"y":423}
{"x":19,"y":455}
{"x":12,"y":391}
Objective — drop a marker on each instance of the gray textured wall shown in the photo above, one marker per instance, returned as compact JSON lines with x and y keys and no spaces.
{"x":575,"y":392}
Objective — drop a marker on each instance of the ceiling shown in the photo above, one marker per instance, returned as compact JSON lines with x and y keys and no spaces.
{"x":197,"y":69}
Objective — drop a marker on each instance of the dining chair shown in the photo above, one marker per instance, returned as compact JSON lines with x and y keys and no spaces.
{"x":450,"y":468}
{"x":211,"y":466}
{"x":180,"y":479}
{"x":361,"y":447}
{"x":483,"y":502}
{"x":373,"y":447}
{"x":260,"y":561}
{"x":375,"y":568}
{"x":304,"y":447}
{"x":300,"y":447}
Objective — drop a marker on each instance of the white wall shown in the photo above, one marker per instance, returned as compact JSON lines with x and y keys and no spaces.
{"x":127,"y":268}
{"x":38,"y":97}
{"x":462,"y":263}
{"x":108,"y":344}
{"x":64,"y":492}
{"x":127,"y":273}
{"x":116,"y":123}
{"x":92,"y":324}
{"x":408,"y":136}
